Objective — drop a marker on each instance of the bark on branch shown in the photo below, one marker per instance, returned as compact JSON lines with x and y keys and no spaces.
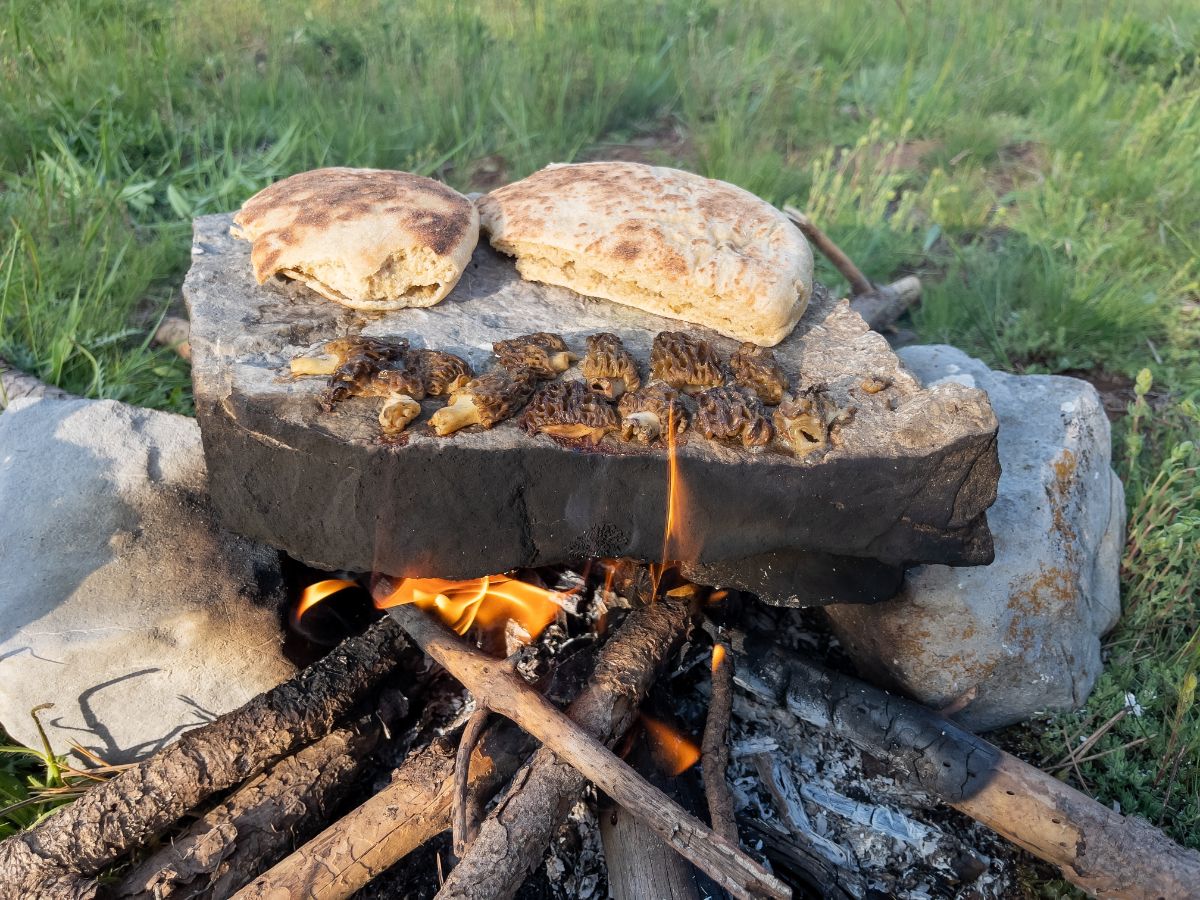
{"x":123,"y":813}
{"x":513,"y":839}
{"x":412,"y":809}
{"x":255,"y":825}
{"x":502,"y":691}
{"x":1103,"y":852}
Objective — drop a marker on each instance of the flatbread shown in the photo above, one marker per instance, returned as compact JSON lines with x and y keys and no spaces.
{"x":665,"y":241}
{"x":369,"y":239}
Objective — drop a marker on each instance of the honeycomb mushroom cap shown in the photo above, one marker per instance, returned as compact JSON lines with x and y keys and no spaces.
{"x":544,"y":354}
{"x":802,"y":421}
{"x":497,"y":394}
{"x":442,"y":373}
{"x":569,"y":409}
{"x":608,"y":367}
{"x":755,"y":367}
{"x":684,"y":362}
{"x":731,"y":414}
{"x":647,"y":412}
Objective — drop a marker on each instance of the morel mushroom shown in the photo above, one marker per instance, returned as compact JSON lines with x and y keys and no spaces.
{"x":732,"y":414}
{"x":754,"y":367}
{"x":569,"y":409}
{"x":486,"y":400}
{"x":608,"y":368}
{"x":347,"y":351}
{"x":432,"y":373}
{"x":544,"y":354}
{"x":802,"y":421}
{"x":647,"y":413}
{"x":686,"y":363}
{"x":426,"y":373}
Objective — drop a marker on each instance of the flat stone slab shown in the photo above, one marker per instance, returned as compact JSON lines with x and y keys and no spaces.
{"x":910,"y":480}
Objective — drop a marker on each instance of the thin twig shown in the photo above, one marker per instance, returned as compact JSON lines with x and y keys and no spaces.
{"x":859,"y":283}
{"x":466,"y":811}
{"x":714,"y":747}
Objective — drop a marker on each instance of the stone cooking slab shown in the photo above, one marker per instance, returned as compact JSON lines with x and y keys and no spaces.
{"x":910,"y":480}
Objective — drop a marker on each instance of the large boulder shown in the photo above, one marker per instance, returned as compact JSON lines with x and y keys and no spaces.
{"x":1004,"y":641}
{"x":123,"y":603}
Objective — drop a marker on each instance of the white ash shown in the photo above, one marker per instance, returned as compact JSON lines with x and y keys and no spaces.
{"x":575,"y":867}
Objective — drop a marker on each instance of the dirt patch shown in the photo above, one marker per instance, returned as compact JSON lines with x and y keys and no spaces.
{"x":1017,"y":165}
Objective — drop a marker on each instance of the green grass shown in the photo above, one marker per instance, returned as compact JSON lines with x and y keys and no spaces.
{"x":1037,"y":163}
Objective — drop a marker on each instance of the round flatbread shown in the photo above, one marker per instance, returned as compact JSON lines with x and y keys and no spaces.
{"x":370,"y":239}
{"x":668,"y":242}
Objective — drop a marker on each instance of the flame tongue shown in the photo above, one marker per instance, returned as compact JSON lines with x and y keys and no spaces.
{"x":318,"y":591}
{"x":488,"y":602}
{"x":673,"y":752}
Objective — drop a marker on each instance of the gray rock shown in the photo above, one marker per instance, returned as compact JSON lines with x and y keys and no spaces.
{"x":909,"y":480}
{"x":1021,"y":635}
{"x":123,"y":603}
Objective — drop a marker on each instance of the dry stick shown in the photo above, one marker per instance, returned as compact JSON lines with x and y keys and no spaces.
{"x":504,"y":692}
{"x":714,"y":746}
{"x":859,"y":283}
{"x":414,"y":808}
{"x":514,"y":837}
{"x":879,"y":305}
{"x":15,"y":384}
{"x":1101,"y":851}
{"x":123,"y":813}
{"x":466,"y":812}
{"x":255,"y":825}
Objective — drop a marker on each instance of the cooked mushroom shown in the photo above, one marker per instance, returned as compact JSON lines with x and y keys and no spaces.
{"x":754,"y":367}
{"x":339,"y":352}
{"x":432,"y":373}
{"x":487,"y":400}
{"x":397,"y":411}
{"x":646,"y":412}
{"x":569,"y":409}
{"x":875,"y":384}
{"x":686,"y":363}
{"x":733,"y":413}
{"x":802,"y":421}
{"x":608,"y":368}
{"x":544,"y":354}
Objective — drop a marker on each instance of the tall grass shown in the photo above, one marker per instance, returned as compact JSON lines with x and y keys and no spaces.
{"x":1037,"y":163}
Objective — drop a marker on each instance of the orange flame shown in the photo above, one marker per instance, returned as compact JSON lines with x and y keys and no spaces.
{"x":488,"y":602}
{"x":673,"y":752}
{"x":318,"y":591}
{"x":718,"y":656}
{"x":674,"y":498}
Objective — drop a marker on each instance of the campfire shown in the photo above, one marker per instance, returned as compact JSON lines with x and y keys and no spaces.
{"x":576,"y":587}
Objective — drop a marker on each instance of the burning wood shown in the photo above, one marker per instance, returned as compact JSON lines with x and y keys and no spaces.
{"x":716,"y":745}
{"x":505,"y":693}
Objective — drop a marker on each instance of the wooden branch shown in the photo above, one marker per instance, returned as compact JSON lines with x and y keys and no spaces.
{"x":879,"y":305}
{"x":175,"y":332}
{"x":412,"y":809}
{"x":257,"y":824}
{"x":504,"y":692}
{"x":859,"y":283}
{"x":15,"y":384}
{"x":640,"y":865}
{"x":1101,"y":851}
{"x":466,"y":812}
{"x":888,"y":302}
{"x":714,"y":746}
{"x":514,"y":837}
{"x":123,"y":813}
